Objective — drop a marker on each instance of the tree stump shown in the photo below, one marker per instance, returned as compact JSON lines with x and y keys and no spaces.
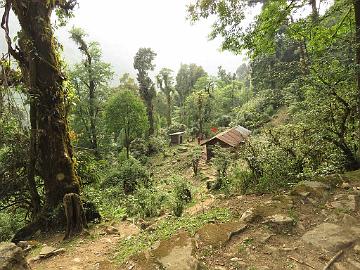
{"x":75,"y":215}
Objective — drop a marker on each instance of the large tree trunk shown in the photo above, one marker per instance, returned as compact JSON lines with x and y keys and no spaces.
{"x":42,"y":70}
{"x":357,"y":46}
{"x":35,"y":197}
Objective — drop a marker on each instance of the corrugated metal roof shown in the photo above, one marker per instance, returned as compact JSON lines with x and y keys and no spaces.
{"x":177,"y":133}
{"x":233,"y":136}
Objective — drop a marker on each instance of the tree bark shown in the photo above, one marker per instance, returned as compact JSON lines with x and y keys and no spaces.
{"x":150,"y":114}
{"x":168,"y":115}
{"x":35,"y":197}
{"x":75,"y":215}
{"x":357,"y":50}
{"x":314,"y":13}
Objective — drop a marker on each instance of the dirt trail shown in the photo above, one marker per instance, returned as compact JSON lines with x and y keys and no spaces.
{"x":89,"y":254}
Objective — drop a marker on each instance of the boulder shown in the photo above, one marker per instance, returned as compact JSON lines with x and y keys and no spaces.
{"x":176,"y":253}
{"x":12,"y":257}
{"x":280,"y":223}
{"x":346,"y":202}
{"x":311,"y":188}
{"x":218,"y":235}
{"x":331,"y":237}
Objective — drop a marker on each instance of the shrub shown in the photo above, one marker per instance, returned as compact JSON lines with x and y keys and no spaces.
{"x":195,"y":159}
{"x":88,"y":168}
{"x":145,"y":203}
{"x":139,"y":149}
{"x":128,"y":176}
{"x":10,"y":223}
{"x":156,"y":145}
{"x":181,"y":196}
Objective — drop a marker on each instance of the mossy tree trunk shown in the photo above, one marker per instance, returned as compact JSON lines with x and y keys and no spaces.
{"x":357,"y":50}
{"x":41,"y":69}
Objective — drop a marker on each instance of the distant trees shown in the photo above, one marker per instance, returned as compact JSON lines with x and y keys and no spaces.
{"x":197,"y":109}
{"x":185,"y":82}
{"x":143,"y":63}
{"x":165,"y":83}
{"x":126,"y":117}
{"x":90,"y":79}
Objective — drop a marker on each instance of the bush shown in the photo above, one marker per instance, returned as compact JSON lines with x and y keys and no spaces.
{"x":181,"y":196}
{"x":145,"y":203}
{"x":88,"y":168}
{"x":139,"y":149}
{"x":156,"y":145}
{"x":129,"y":176}
{"x":10,"y":224}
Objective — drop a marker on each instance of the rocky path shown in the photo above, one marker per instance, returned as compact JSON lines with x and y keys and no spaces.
{"x":314,"y":226}
{"x":94,"y":252}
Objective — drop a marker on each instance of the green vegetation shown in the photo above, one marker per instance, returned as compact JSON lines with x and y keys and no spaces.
{"x":165,"y":229}
{"x":73,"y":129}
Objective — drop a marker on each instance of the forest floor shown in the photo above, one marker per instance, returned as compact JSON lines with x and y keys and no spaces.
{"x":300,"y":229}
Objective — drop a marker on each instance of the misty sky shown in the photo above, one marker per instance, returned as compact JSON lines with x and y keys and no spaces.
{"x":123,"y":26}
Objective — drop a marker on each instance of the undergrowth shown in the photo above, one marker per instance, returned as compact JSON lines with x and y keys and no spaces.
{"x":165,"y":229}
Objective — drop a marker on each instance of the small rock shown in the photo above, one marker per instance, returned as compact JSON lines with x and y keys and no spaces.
{"x":345,"y":185}
{"x":34,"y":259}
{"x":348,"y":220}
{"x":46,"y":252}
{"x":23,"y":244}
{"x":264,"y":238}
{"x":248,"y":216}
{"x":280,"y":223}
{"x":357,"y":249}
{"x":111,"y":230}
{"x":77,"y":260}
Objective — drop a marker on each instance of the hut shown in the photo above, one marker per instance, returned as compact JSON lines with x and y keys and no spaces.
{"x":230,"y":138}
{"x":177,"y":137}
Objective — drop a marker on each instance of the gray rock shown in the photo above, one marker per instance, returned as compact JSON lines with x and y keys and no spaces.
{"x":218,"y":235}
{"x":280,"y":223}
{"x":248,"y":216}
{"x":177,"y":253}
{"x":348,"y":220}
{"x":346,"y":202}
{"x":345,"y":185}
{"x":48,"y":251}
{"x":111,"y":230}
{"x":310,"y":188}
{"x":330,"y":237}
{"x":12,"y":257}
{"x":357,"y":249}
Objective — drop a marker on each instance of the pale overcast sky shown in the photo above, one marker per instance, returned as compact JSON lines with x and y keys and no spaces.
{"x":123,"y":26}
